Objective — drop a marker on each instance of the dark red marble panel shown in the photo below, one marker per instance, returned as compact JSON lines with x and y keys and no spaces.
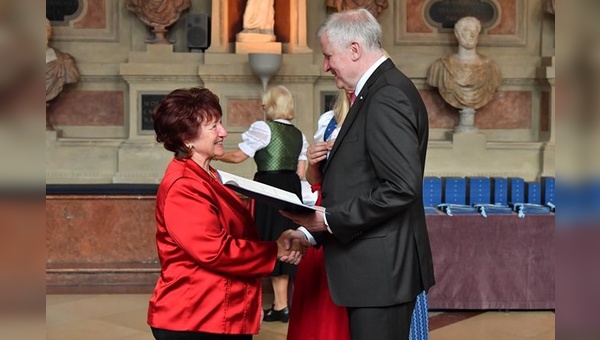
{"x":100,"y":229}
{"x":508,"y":110}
{"x":508,"y":18}
{"x":243,"y":112}
{"x":415,"y":22}
{"x":441,"y":115}
{"x":88,"y":108}
{"x":95,"y":16}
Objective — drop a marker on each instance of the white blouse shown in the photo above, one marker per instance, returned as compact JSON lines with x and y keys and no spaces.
{"x":322,"y":125}
{"x":258,"y":136}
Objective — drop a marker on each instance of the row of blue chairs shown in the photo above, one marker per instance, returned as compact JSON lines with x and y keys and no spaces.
{"x":489,"y":195}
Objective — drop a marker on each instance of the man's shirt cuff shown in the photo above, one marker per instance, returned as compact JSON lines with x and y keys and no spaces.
{"x":325,"y":221}
{"x":308,"y":235}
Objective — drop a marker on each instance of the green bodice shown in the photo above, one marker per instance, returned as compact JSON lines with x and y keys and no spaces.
{"x":283,"y":149}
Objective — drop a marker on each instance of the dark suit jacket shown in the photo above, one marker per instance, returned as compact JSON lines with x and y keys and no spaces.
{"x":379,"y":253}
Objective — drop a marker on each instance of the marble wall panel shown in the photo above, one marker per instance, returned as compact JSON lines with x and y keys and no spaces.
{"x":415,"y":22}
{"x":88,"y":108}
{"x":441,"y":115}
{"x":243,"y":112}
{"x":100,"y":229}
{"x":508,"y":110}
{"x":94,"y":16}
{"x":508,"y":18}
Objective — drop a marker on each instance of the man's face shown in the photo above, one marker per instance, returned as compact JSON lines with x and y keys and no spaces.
{"x":339,"y":63}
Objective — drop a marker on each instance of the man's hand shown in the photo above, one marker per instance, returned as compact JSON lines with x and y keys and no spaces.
{"x":311,"y":221}
{"x":292,"y":244}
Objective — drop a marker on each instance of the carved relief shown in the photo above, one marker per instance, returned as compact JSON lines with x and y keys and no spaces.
{"x":158,"y":14}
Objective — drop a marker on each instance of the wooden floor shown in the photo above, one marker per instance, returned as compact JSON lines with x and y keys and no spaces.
{"x":123,"y":316}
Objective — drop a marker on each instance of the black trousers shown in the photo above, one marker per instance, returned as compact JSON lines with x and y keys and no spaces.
{"x":381,"y":323}
{"x":163,"y":334}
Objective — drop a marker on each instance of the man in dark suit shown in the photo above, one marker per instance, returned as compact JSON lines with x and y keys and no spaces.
{"x":373,"y":231}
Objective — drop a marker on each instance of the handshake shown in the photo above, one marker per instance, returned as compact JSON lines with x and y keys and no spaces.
{"x":291,"y":246}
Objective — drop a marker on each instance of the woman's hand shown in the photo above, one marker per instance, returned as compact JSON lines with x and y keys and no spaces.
{"x":317,"y":152}
{"x":291,"y":245}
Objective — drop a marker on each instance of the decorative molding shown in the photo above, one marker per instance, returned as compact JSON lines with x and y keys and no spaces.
{"x":153,"y":79}
{"x":77,"y":176}
{"x":108,"y":78}
{"x":282,"y":79}
{"x":519,"y":82}
{"x":422,"y":82}
{"x":95,"y":143}
{"x":110,"y":33}
{"x":138,"y":177}
{"x":403,"y":37}
{"x":529,"y":146}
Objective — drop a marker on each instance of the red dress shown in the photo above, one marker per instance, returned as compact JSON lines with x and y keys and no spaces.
{"x":313,"y":315}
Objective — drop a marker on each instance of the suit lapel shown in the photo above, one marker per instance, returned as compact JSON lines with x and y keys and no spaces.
{"x":355,"y":109}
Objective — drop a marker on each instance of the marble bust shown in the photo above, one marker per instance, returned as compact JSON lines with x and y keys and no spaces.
{"x":61,"y":69}
{"x":158,"y":14}
{"x":466,"y":79}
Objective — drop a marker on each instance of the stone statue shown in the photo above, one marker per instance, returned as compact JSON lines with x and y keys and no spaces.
{"x":259,"y":17}
{"x":466,"y":80}
{"x":158,"y":14}
{"x":373,"y":6}
{"x":61,"y":69}
{"x":258,"y":33}
{"x":549,"y":7}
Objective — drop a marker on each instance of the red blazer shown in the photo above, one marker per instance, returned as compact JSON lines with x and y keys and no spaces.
{"x":211,"y":259}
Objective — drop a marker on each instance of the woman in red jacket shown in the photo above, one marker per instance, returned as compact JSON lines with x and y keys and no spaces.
{"x":211,"y":258}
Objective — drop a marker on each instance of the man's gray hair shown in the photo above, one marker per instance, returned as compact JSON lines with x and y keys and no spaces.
{"x":352,"y":25}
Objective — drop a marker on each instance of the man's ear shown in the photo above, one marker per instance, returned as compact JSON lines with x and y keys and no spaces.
{"x":355,"y":50}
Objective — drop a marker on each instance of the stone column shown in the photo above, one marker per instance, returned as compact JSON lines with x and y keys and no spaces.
{"x":297,"y":18}
{"x":547,"y":73}
{"x":219,"y":27}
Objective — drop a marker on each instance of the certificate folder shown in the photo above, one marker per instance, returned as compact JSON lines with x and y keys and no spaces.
{"x":278,"y":198}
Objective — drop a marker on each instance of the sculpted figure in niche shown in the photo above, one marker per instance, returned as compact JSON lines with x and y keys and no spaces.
{"x":259,"y":17}
{"x":466,"y":79}
{"x":373,"y":6}
{"x":60,"y":70}
{"x":158,"y":14}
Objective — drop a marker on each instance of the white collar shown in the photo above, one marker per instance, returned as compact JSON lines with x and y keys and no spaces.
{"x":366,"y":75}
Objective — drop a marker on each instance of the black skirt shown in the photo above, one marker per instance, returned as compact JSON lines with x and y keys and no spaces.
{"x":270,"y":223}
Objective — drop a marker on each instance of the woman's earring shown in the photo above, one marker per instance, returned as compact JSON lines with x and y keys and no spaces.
{"x":190,"y":146}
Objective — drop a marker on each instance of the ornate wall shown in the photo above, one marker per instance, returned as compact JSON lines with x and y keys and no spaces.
{"x":100,"y":134}
{"x":103,"y":243}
